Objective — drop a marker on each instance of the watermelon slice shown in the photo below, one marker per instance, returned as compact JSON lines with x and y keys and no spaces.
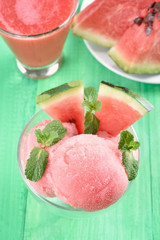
{"x":121,"y":107}
{"x":104,"y":21}
{"x":138,"y":51}
{"x":64,"y":103}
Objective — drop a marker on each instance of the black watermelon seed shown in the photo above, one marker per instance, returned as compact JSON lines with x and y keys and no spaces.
{"x":152,"y":5}
{"x":138,"y":20}
{"x":156,"y":7}
{"x":149,"y":17}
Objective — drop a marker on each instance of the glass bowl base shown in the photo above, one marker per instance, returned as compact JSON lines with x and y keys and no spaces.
{"x":40,"y":72}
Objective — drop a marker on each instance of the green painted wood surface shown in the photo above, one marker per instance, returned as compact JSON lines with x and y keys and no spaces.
{"x":135,"y":217}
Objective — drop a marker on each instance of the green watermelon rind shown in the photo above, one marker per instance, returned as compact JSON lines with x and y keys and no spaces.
{"x":127,"y":96}
{"x":91,"y":36}
{"x":126,"y":66}
{"x":58,"y":93}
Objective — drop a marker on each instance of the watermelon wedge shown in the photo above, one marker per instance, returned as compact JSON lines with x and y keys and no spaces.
{"x":64,"y":103}
{"x":104,"y":22}
{"x":121,"y":107}
{"x":138,"y":51}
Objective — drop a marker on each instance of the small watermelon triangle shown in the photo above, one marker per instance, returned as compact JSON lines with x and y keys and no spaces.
{"x":121,"y":107}
{"x":64,"y":103}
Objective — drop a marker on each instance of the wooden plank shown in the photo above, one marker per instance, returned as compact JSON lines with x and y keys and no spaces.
{"x":16,"y":107}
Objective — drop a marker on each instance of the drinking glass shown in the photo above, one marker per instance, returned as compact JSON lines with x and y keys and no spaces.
{"x":40,"y":56}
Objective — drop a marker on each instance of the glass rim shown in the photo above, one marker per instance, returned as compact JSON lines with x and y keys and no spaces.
{"x":42,"y":198}
{"x":45,"y":33}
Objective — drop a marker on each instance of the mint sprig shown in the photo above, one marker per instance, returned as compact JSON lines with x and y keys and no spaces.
{"x":127,"y":145}
{"x":92,"y":105}
{"x":37,"y":162}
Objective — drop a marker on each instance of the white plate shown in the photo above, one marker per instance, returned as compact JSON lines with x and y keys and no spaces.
{"x":100,"y":54}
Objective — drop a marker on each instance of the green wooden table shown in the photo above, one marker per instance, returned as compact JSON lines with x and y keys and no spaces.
{"x":135,"y":217}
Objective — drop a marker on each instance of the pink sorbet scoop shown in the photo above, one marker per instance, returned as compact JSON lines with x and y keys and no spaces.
{"x":88,"y":173}
{"x":45,"y":185}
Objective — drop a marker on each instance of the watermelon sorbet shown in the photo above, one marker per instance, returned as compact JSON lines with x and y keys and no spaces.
{"x":85,"y":171}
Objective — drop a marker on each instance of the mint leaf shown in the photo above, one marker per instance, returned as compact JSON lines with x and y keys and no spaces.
{"x":127,"y":145}
{"x":90,"y":99}
{"x":130,"y":164}
{"x":127,"y":141}
{"x":55,"y":131}
{"x":90,"y":94}
{"x":41,"y":138}
{"x":97,"y":106}
{"x":92,"y":106}
{"x":134,"y":145}
{"x":91,"y":123}
{"x":87,"y":104}
{"x":51,"y":134}
{"x":52,"y":139}
{"x":36,"y":164}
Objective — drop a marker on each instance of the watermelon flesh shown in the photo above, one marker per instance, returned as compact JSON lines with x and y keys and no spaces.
{"x":73,"y":111}
{"x":121,"y":107}
{"x":137,"y":52}
{"x":64,"y":103}
{"x":118,"y":118}
{"x":104,"y":22}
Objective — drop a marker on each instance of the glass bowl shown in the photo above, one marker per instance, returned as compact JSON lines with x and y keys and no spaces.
{"x":55,"y":204}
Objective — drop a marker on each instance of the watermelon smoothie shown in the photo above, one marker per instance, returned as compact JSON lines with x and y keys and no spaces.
{"x":36,"y":31}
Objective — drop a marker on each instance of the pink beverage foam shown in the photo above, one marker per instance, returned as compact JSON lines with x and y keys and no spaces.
{"x":45,"y":185}
{"x":31,"y":18}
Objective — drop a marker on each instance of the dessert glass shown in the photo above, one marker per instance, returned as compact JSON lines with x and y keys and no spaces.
{"x":40,"y":56}
{"x":55,"y":204}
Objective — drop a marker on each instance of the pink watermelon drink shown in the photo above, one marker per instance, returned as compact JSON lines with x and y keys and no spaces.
{"x":85,"y":166}
{"x":36,"y":31}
